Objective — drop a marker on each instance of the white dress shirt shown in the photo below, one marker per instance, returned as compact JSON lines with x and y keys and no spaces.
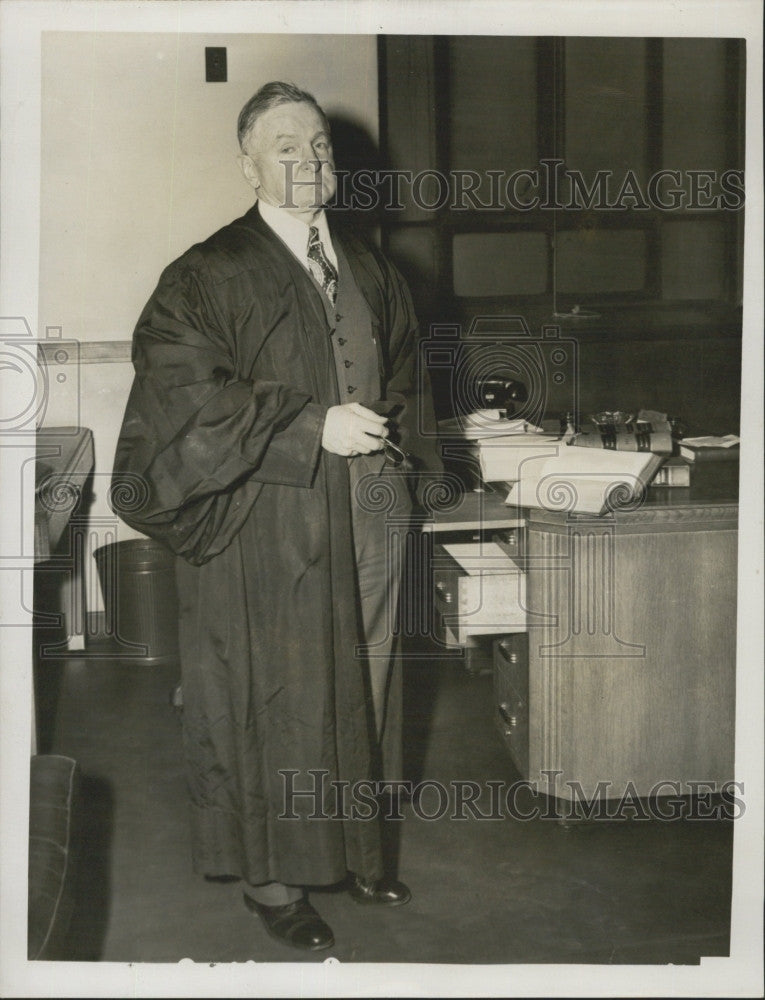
{"x":293,"y":232}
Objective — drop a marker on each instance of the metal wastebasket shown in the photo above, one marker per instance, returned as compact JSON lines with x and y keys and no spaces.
{"x":140,"y":598}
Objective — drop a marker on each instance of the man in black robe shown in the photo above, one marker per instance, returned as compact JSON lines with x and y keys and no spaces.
{"x":274,"y":363}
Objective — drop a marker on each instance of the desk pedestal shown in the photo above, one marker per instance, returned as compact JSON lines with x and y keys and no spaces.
{"x":632,"y":643}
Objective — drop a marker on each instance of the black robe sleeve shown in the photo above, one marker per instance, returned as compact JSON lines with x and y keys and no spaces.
{"x":198,"y":440}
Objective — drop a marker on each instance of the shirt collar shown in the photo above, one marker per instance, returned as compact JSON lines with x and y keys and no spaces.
{"x":294,"y":232}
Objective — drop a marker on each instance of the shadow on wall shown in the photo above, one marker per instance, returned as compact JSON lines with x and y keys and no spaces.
{"x":363,"y":201}
{"x":358,"y":160}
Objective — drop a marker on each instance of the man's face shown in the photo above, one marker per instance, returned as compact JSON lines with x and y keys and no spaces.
{"x":289,"y":159}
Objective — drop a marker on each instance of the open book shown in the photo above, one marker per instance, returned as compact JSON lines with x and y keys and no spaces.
{"x":584,"y":480}
{"x":500,"y":458}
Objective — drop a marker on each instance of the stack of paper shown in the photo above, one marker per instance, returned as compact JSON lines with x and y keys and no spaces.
{"x":583,"y":480}
{"x":484,"y":424}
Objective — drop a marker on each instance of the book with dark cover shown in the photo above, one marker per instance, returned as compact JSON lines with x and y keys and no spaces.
{"x":626,"y":437}
{"x":710,"y":449}
{"x":676,"y":471}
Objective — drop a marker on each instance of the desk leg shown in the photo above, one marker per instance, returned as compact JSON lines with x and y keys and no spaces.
{"x":74,"y":603}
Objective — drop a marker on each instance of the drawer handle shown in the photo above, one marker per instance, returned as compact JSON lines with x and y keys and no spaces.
{"x":510,"y":657}
{"x":510,"y":720}
{"x":443,"y":592}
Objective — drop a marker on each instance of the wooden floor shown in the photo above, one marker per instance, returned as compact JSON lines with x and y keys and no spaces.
{"x":484,"y":891}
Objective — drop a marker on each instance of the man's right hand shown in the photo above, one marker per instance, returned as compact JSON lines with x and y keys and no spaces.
{"x":352,"y":429}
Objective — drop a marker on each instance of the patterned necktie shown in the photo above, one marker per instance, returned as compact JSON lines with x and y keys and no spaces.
{"x":321,"y":266}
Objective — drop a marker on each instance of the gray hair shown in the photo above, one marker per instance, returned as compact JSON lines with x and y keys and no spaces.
{"x":271,"y":95}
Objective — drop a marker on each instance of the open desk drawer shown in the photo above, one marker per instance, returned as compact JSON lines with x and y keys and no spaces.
{"x":478,"y":590}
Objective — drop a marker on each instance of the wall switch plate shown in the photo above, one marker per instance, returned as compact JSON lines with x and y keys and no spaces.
{"x":215,"y":65}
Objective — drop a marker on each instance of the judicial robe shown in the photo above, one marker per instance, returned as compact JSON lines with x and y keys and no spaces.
{"x":220,"y":457}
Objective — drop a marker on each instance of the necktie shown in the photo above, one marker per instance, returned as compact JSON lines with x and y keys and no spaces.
{"x":321,"y":266}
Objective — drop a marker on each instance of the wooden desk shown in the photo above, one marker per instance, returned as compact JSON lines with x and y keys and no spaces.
{"x":64,"y":462}
{"x":476,"y":516}
{"x":475,"y":511}
{"x":629,"y":675}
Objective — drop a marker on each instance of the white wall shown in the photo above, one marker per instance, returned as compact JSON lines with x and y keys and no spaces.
{"x":138,"y":161}
{"x":139,"y":154}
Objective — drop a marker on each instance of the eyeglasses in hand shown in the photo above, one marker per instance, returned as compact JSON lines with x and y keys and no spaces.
{"x":394,"y":456}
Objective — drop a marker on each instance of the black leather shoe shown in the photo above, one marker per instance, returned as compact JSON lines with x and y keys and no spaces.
{"x":296,"y":924}
{"x":382,"y":891}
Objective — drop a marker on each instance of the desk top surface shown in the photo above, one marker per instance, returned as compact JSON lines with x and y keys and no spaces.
{"x":65,"y":458}
{"x":63,"y":449}
{"x":713,"y":492}
{"x":473,"y":510}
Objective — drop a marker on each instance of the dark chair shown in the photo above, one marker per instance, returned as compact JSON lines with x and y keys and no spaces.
{"x":52,"y":805}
